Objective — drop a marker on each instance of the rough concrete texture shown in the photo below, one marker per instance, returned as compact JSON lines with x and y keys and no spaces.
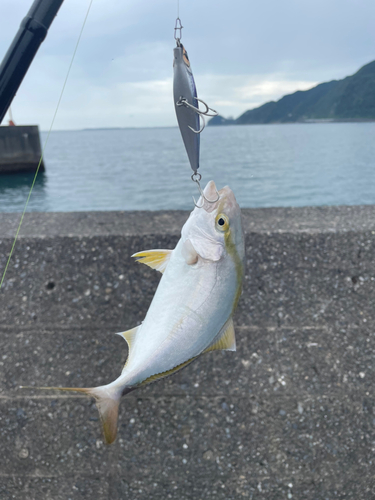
{"x":290,"y":415}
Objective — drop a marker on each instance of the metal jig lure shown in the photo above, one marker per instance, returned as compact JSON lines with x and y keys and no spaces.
{"x":187,"y":106}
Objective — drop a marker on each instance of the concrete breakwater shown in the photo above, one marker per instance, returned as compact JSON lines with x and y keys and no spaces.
{"x":290,"y":415}
{"x":20,"y":149}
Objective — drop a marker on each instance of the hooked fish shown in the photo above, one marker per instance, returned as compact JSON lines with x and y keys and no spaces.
{"x":191,"y":312}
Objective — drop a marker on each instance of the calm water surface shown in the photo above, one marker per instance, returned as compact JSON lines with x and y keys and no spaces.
{"x":147,"y":169}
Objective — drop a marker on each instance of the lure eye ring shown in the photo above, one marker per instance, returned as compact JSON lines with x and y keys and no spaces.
{"x":222,"y":223}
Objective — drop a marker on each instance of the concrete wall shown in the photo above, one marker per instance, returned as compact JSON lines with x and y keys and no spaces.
{"x":20,"y":149}
{"x":290,"y":415}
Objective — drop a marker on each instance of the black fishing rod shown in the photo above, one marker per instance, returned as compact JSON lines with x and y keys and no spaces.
{"x":17,"y":60}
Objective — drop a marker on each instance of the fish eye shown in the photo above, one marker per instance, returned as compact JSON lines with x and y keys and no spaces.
{"x":222,"y":222}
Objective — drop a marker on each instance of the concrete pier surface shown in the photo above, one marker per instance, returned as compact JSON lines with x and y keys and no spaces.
{"x":20,"y":149}
{"x":291,"y":414}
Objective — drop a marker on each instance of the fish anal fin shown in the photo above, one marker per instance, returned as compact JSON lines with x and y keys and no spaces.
{"x":129,"y":336}
{"x":156,"y":259}
{"x":225,"y":340}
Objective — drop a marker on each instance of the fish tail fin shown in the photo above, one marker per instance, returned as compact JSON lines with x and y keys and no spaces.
{"x":108,"y":406}
{"x":107,"y":402}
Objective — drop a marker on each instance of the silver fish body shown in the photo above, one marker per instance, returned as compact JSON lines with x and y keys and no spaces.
{"x":183,"y":318}
{"x":191,"y":312}
{"x":184,"y":88}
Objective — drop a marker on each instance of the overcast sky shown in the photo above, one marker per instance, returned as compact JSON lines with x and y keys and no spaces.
{"x":243,"y":53}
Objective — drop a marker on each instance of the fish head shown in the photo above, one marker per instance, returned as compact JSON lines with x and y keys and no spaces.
{"x":215,"y":230}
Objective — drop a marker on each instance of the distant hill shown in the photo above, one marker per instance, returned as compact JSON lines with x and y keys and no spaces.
{"x":352,"y":98}
{"x":220,"y":120}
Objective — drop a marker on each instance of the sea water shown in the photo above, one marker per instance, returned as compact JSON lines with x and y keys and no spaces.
{"x":147,"y":169}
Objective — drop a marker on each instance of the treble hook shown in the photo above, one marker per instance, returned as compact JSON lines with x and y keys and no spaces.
{"x":184,"y":102}
{"x":202,"y":127}
{"x":206,"y":113}
{"x":196,"y":178}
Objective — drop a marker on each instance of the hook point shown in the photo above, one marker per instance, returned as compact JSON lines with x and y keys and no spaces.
{"x":196,"y":178}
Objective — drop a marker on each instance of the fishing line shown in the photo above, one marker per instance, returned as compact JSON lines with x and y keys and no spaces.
{"x":45,"y":144}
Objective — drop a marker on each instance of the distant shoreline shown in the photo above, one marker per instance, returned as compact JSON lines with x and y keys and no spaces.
{"x":348,"y":100}
{"x":323,"y":120}
{"x":309,"y":120}
{"x":337,"y":120}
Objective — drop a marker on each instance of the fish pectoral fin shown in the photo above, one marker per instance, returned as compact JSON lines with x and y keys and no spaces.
{"x":189,"y":253}
{"x":225,"y":340}
{"x":156,"y":259}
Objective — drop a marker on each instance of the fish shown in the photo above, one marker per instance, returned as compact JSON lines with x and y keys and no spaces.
{"x":192,"y":310}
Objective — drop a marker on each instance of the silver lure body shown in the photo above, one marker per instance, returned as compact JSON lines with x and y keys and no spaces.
{"x":184,"y":88}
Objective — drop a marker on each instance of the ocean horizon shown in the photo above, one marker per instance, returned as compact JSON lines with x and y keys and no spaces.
{"x":278,"y":165}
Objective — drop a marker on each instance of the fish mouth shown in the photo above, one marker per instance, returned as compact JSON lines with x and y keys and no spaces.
{"x":226,"y":197}
{"x":211,"y":197}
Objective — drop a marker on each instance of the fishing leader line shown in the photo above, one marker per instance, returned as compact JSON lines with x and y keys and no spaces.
{"x":45,"y":144}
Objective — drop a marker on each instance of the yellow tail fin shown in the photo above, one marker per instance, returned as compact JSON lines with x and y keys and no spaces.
{"x":107,"y":403}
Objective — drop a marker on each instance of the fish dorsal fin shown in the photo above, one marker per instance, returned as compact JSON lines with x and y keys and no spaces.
{"x":156,"y":259}
{"x":129,"y":336}
{"x":225,"y":340}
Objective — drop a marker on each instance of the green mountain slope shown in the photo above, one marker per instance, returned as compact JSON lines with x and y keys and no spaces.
{"x":349,"y":99}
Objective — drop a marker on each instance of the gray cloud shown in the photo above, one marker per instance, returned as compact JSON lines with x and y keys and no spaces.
{"x":242,"y":53}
